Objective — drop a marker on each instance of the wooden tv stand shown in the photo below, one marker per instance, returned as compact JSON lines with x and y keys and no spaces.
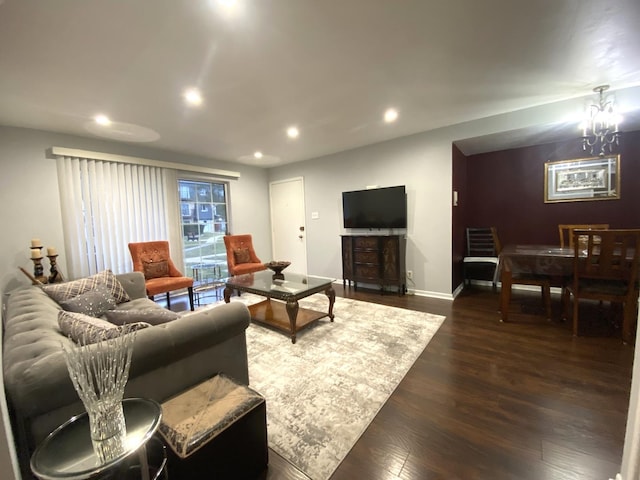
{"x":375,"y":259}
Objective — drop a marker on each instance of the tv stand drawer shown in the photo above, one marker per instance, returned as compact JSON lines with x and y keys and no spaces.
{"x":368,"y":272}
{"x":365,"y":243}
{"x":366,"y":257}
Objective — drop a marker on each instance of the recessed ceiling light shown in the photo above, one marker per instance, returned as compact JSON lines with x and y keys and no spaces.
{"x":293,"y":132}
{"x":258,"y":154}
{"x":229,"y":7}
{"x":391,"y":115}
{"x":193,"y":97}
{"x":102,"y":120}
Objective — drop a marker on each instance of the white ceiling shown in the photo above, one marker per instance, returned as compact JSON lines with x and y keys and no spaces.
{"x":331,"y":67}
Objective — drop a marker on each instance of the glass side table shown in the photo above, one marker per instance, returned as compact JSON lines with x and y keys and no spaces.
{"x":67,"y":453}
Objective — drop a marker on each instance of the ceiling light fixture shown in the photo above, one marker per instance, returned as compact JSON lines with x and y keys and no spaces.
{"x":293,"y":132}
{"x":102,"y":120}
{"x":600,"y":127}
{"x":229,"y":8}
{"x":258,"y":155}
{"x":391,"y":115}
{"x":193,"y":97}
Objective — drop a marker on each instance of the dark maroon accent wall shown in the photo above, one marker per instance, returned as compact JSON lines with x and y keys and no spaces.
{"x":505,"y":189}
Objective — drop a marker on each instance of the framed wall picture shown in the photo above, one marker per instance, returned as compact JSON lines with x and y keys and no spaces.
{"x":582,"y":179}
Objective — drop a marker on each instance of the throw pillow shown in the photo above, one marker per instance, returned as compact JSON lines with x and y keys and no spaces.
{"x":152,"y":316}
{"x":85,"y":330}
{"x":64,"y":291}
{"x":94,"y":302}
{"x":242,"y":255}
{"x":155,"y":269}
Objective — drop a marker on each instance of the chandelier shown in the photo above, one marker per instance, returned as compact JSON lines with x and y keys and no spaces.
{"x":600,"y":127}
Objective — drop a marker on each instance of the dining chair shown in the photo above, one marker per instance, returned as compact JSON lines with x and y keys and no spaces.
{"x":606,"y":270}
{"x":566,"y":231}
{"x":160,"y":274}
{"x":483,"y":248}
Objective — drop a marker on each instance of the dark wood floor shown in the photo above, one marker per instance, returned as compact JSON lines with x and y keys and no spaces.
{"x":489,"y":400}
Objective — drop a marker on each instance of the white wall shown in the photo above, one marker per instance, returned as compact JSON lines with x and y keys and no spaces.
{"x":420,"y":163}
{"x":30,"y":207}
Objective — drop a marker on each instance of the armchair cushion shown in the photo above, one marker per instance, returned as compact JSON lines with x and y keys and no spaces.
{"x":155,"y":269}
{"x":242,"y":255}
{"x":159,"y":285}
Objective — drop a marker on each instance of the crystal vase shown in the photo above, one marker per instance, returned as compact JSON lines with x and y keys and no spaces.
{"x":99,"y":372}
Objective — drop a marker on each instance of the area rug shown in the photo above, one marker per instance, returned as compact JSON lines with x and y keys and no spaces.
{"x":323,"y":391}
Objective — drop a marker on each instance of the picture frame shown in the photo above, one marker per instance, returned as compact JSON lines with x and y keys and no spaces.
{"x":582,"y":179}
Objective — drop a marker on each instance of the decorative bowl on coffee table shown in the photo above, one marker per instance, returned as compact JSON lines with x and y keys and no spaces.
{"x":277,"y":266}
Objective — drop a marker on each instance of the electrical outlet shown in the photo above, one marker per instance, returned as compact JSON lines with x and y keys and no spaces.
{"x":410,"y":274}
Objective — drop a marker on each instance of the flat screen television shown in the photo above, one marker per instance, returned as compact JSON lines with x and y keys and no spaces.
{"x":375,"y":208}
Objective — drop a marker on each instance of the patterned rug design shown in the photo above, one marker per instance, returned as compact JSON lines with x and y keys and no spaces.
{"x":323,"y":392}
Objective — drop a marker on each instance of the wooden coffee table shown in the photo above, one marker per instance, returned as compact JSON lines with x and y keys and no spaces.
{"x":285,"y":315}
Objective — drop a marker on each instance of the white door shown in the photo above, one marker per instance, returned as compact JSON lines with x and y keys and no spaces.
{"x":288,"y":231}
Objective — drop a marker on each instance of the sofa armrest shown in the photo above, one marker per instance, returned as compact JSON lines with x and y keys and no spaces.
{"x":133,"y":283}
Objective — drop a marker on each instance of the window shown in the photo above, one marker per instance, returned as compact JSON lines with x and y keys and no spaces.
{"x":203,"y":209}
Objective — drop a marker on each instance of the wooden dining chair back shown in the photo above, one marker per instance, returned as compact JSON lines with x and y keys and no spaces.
{"x":606,"y":270}
{"x":566,"y":232}
{"x":483,"y":248}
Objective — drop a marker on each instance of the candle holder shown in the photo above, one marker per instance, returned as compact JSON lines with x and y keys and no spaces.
{"x":54,"y":275}
{"x":38,"y":268}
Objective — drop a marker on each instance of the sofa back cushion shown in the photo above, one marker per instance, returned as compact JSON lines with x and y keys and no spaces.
{"x":152,"y":316}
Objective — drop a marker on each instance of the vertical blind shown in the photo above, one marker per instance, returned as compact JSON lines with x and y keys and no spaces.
{"x":105,"y":205}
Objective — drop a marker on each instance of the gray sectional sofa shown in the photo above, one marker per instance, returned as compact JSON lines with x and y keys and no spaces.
{"x":167,"y":358}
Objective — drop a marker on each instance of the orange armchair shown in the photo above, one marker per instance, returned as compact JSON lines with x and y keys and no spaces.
{"x":241,"y":257}
{"x":161,"y":275}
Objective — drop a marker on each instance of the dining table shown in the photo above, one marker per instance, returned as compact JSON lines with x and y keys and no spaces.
{"x":514,"y":260}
